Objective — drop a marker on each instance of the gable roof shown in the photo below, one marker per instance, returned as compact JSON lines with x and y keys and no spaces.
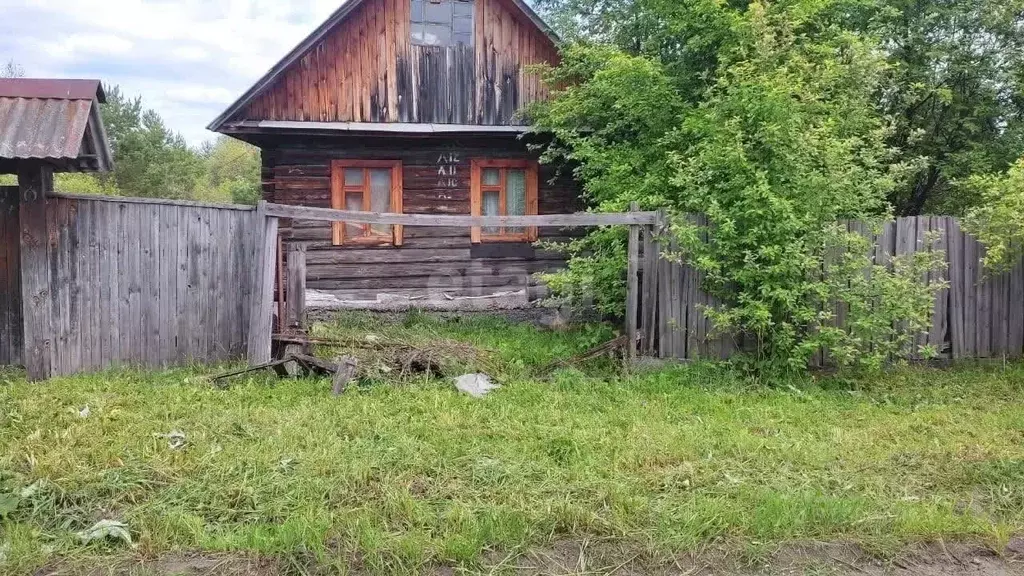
{"x":56,"y":121}
{"x":318,"y":36}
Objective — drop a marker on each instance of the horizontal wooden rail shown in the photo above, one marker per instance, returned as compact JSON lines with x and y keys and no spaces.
{"x":150,"y":201}
{"x":547,"y":221}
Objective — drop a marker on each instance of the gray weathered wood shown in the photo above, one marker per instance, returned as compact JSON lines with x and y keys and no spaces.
{"x":11,"y":323}
{"x":143,"y":283}
{"x":34,"y":184}
{"x":295,"y":318}
{"x":585,"y":219}
{"x":344,"y":374}
{"x":633,"y":287}
{"x":261,"y":318}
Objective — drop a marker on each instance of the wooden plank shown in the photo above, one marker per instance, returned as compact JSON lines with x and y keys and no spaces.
{"x":11,"y":325}
{"x":86,"y":285}
{"x":149,"y":201}
{"x":260,"y":322}
{"x":554,"y":220}
{"x":633,"y":286}
{"x":972,"y":270}
{"x":137,"y":277}
{"x":664,"y":313}
{"x":112,"y":238}
{"x":650,"y":280}
{"x":1015,"y":312}
{"x":955,"y":263}
{"x":983,"y":308}
{"x":296,"y":316}
{"x":34,"y":184}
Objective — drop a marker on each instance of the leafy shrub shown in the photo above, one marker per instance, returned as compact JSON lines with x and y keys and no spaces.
{"x":999,"y":221}
{"x":783,"y":146}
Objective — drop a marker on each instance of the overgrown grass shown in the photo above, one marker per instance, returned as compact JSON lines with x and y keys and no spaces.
{"x":392,"y":479}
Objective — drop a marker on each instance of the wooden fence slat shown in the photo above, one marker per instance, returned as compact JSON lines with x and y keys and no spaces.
{"x":956,"y":263}
{"x":296,"y":301}
{"x":1015,"y":312}
{"x":632,"y":287}
{"x":261,"y":319}
{"x":649,"y":304}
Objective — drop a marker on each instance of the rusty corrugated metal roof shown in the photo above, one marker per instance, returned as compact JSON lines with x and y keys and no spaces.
{"x":57,"y":89}
{"x":53,"y":120}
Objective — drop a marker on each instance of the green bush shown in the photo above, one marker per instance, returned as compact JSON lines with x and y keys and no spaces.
{"x":783,"y":145}
{"x":999,"y":221}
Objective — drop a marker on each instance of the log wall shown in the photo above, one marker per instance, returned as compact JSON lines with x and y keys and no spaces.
{"x":368,"y":70}
{"x":442,"y":261}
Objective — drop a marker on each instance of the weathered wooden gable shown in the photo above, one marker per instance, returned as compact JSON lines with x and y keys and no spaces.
{"x":367,"y":69}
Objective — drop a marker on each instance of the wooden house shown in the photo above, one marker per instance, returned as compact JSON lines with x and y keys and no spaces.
{"x":411,"y":106}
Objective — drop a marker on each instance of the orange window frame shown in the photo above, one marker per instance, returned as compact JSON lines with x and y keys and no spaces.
{"x":477,"y":195}
{"x":339,"y":190}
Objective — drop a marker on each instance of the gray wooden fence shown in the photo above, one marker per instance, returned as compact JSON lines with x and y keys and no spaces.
{"x":111,"y":282}
{"x":10,"y":278}
{"x":979,"y":315}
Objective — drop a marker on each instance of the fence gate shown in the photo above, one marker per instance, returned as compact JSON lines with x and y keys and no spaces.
{"x":11,"y":334}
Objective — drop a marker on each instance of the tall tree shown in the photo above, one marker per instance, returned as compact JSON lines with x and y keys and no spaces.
{"x":954,"y":84}
{"x":775,"y":143}
{"x":955,"y":88}
{"x":232,"y":171}
{"x":12,"y":70}
{"x":150,"y":160}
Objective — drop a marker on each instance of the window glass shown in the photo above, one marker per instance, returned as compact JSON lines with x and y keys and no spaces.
{"x":354,"y":203}
{"x":433,"y":35}
{"x":380,"y":197}
{"x":438,"y":13}
{"x":492,"y":207}
{"x":353,"y":177}
{"x":492,"y":177}
{"x":442,"y":22}
{"x":515,"y":197}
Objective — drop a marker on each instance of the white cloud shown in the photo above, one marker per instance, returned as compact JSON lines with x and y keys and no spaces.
{"x":188,"y":59}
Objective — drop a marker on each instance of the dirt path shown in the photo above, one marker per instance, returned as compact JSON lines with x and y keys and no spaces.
{"x":594,"y":558}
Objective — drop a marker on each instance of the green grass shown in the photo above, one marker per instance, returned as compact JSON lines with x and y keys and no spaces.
{"x":396,"y":478}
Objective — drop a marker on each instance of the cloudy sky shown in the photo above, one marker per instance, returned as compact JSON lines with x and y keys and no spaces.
{"x":188,"y":59}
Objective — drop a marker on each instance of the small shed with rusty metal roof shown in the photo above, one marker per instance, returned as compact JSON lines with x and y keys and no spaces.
{"x":56,"y":123}
{"x":46,"y":126}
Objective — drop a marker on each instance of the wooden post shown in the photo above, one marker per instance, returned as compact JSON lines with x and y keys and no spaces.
{"x":35,"y":182}
{"x":649,"y":295}
{"x":295,"y":317}
{"x":261,"y":319}
{"x":633,"y":287}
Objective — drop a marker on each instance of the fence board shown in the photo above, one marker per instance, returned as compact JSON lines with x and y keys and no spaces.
{"x":977,"y":315}
{"x":136,"y":283}
{"x":11,"y":336}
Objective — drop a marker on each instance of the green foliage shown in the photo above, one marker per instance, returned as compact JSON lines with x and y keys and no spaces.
{"x":232,"y":172}
{"x":149,"y":159}
{"x":952,"y":85}
{"x":999,"y":221}
{"x":82,"y":183}
{"x":955,"y":91}
{"x":782,"y":144}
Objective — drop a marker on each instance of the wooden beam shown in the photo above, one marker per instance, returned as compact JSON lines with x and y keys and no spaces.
{"x":35,"y":183}
{"x":295,"y":318}
{"x":261,"y":309}
{"x":585,"y":219}
{"x":633,"y":287}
